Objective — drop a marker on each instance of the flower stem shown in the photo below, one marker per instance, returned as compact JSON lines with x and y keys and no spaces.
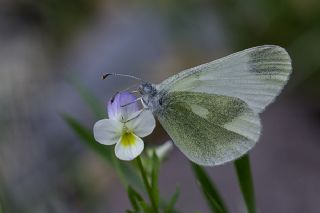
{"x":147,"y":185}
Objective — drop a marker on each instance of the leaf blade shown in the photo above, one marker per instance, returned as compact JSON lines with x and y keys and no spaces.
{"x":137,"y":201}
{"x":209,"y":190}
{"x":154,"y":177}
{"x":243,"y":170}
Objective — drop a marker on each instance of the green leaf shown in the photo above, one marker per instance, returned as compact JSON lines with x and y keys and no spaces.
{"x":209,"y":190}
{"x":243,"y":169}
{"x":137,"y":201}
{"x":154,"y":177}
{"x":87,"y":136}
{"x":126,"y":173}
{"x":135,"y":198}
{"x":89,"y":98}
{"x":215,"y":205}
{"x":172,"y":202}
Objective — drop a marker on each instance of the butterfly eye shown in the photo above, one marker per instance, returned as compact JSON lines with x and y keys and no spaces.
{"x":145,"y":88}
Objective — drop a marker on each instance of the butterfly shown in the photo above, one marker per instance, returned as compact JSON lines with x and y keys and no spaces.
{"x":211,"y":112}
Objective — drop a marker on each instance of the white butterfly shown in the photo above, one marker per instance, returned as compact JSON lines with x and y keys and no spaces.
{"x":211,"y":111}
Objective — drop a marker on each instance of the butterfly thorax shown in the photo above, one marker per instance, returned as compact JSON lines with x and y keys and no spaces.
{"x":150,"y":96}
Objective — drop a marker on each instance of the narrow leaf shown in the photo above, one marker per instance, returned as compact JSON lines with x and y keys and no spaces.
{"x":209,"y":190}
{"x":215,"y":205}
{"x":154,"y":177}
{"x":135,"y":198}
{"x":172,"y":202}
{"x":87,"y":136}
{"x":243,"y":170}
{"x":137,"y":201}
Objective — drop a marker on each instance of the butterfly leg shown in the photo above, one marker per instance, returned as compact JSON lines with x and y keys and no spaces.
{"x":132,"y":102}
{"x":137,"y":114}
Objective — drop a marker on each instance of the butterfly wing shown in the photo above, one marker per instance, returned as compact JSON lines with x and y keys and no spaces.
{"x":255,"y":75}
{"x":209,"y":129}
{"x":211,"y":111}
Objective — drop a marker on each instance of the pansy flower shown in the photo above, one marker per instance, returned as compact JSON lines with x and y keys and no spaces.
{"x":126,"y":125}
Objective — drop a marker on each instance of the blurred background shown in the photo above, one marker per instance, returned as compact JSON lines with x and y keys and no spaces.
{"x":51,"y":48}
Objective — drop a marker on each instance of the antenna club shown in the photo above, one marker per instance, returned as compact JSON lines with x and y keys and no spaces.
{"x":122,"y":75}
{"x":106,"y":76}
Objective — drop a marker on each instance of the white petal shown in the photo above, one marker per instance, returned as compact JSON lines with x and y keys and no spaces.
{"x":143,"y":124}
{"x":107,"y":131}
{"x":129,"y":147}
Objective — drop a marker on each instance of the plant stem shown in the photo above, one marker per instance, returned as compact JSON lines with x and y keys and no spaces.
{"x":147,"y":185}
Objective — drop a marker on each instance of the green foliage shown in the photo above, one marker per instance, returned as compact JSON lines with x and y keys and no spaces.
{"x":147,"y":185}
{"x":137,"y":201}
{"x":242,"y":166}
{"x":209,"y":190}
{"x":154,"y":177}
{"x":150,"y":177}
{"x":87,"y":137}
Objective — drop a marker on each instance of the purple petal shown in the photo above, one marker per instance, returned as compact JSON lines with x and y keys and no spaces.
{"x":117,"y":109}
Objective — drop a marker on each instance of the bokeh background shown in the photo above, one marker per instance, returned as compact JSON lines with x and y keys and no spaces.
{"x":51,"y":48}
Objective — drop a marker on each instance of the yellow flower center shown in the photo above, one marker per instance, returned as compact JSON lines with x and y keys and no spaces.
{"x":128,"y":139}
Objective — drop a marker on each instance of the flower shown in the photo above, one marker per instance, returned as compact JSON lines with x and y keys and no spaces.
{"x":125,"y":127}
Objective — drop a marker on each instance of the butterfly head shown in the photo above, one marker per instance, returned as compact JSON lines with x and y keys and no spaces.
{"x":147,"y":88}
{"x":148,"y":91}
{"x":149,"y":95}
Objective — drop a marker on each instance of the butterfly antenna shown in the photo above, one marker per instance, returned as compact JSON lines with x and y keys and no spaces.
{"x":122,"y":75}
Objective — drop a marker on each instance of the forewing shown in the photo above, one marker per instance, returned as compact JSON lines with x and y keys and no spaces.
{"x":209,"y":129}
{"x":254,"y":75}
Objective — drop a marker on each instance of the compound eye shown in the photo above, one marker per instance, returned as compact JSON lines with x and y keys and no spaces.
{"x":147,"y":89}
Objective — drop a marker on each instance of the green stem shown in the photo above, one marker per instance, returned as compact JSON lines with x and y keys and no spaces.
{"x":147,"y":185}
